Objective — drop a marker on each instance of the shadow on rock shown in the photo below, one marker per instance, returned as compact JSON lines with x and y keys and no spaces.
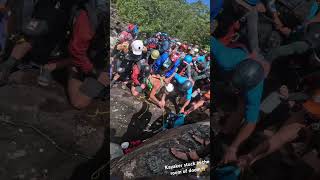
{"x":138,"y":123}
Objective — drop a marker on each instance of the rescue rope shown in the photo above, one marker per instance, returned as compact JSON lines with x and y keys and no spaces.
{"x":98,"y":112}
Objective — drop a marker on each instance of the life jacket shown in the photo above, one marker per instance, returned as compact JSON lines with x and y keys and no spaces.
{"x":294,"y":12}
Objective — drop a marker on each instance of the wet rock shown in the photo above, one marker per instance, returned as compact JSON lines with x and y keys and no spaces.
{"x":154,"y":154}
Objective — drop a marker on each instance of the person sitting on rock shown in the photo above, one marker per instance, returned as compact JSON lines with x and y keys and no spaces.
{"x":88,"y":77}
{"x":140,"y":74}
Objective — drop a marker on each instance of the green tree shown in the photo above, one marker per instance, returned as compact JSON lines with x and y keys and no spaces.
{"x":188,"y":22}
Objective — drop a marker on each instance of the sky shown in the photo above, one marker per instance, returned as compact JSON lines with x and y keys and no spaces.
{"x":206,"y":2}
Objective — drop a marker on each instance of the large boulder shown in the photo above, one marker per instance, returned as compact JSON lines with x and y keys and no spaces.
{"x":151,"y":158}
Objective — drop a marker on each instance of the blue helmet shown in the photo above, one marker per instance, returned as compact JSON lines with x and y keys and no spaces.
{"x":188,"y":59}
{"x":201,"y":59}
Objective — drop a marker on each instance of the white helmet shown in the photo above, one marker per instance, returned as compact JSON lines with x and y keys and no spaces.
{"x":169,"y":87}
{"x":124,"y":145}
{"x":137,"y":47}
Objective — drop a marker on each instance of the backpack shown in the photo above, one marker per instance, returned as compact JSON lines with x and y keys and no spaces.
{"x":173,"y":120}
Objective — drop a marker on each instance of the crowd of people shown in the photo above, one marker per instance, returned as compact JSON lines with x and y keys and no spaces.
{"x":162,"y":69}
{"x":54,"y":35}
{"x":161,"y":66}
{"x":245,"y":64}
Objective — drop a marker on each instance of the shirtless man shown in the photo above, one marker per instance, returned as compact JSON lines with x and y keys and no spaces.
{"x":155,"y":83}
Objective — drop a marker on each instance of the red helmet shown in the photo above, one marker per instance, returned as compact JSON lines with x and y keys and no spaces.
{"x":183,"y":47}
{"x":130,"y":27}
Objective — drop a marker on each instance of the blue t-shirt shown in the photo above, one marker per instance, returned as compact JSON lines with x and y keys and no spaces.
{"x":180,"y":80}
{"x":159,"y":62}
{"x":227,"y":59}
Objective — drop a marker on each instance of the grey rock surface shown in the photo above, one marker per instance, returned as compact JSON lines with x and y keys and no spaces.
{"x":154,"y":154}
{"x":47,"y":109}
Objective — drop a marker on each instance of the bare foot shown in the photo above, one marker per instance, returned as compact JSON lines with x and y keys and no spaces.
{"x":181,"y":155}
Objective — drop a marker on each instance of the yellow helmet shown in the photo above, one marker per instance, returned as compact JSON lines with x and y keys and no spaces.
{"x":155,"y":54}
